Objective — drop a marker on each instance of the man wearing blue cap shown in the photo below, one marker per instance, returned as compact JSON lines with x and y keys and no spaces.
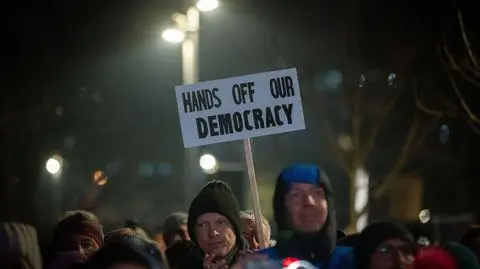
{"x":305,"y":215}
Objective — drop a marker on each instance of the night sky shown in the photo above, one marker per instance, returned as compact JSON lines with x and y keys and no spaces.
{"x":99,"y":74}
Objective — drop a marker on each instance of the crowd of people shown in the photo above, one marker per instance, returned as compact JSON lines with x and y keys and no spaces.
{"x":216,"y":234}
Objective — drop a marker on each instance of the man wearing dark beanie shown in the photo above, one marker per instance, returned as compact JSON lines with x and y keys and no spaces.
{"x":214,"y":226}
{"x":384,"y":245}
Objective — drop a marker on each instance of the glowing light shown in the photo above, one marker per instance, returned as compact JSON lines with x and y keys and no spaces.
{"x":173,"y":35}
{"x":289,"y":260}
{"x":424,"y":216}
{"x":54,"y":165}
{"x":207,"y":161}
{"x":100,"y":178}
{"x":207,"y":5}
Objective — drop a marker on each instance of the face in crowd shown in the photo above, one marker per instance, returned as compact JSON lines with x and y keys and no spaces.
{"x":215,"y":234}
{"x":80,"y":243}
{"x":249,"y":232}
{"x":307,"y":207}
{"x":392,"y":254}
{"x":180,"y":235}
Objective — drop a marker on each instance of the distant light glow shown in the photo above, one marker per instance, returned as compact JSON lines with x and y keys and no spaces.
{"x":173,"y":35}
{"x":207,"y":161}
{"x":207,"y":5}
{"x":362,"y":222}
{"x":100,"y":178}
{"x":54,"y":165}
{"x":424,"y":216}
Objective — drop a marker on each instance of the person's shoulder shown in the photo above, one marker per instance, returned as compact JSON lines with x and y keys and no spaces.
{"x":343,"y":250}
{"x":271,"y":252}
{"x":343,"y":258}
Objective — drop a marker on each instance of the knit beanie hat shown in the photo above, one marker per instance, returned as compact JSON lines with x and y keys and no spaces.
{"x":77,"y":224}
{"x":19,"y":245}
{"x":373,"y":236}
{"x":462,"y":255}
{"x":215,"y":197}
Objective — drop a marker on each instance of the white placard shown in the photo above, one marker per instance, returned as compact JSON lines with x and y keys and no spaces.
{"x":240,"y":107}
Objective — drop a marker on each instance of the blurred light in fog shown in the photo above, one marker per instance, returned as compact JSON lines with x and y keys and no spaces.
{"x":100,"y":178}
{"x":146,"y":169}
{"x":208,"y":163}
{"x":173,"y":35}
{"x":424,"y":216}
{"x":54,"y":165}
{"x":207,"y":5}
{"x":164,"y":169}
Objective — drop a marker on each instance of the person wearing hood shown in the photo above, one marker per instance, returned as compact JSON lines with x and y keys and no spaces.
{"x":304,"y":211}
{"x":385,"y":245}
{"x":19,"y":246}
{"x":214,"y":226}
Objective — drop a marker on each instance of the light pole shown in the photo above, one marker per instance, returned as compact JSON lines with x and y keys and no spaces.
{"x":187,"y":32}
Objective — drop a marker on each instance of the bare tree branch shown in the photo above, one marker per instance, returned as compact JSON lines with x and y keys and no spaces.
{"x":473,"y":126}
{"x":422,"y":107}
{"x":464,"y":103}
{"x":466,"y":42}
{"x":457,"y":67}
{"x":382,"y":116}
{"x":333,"y":145}
{"x":415,"y":138}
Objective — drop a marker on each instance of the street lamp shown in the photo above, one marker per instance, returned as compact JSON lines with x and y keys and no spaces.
{"x":424,"y":216}
{"x":173,"y":35}
{"x":54,"y":165}
{"x":207,"y":5}
{"x":208,"y":163}
{"x":188,"y":24}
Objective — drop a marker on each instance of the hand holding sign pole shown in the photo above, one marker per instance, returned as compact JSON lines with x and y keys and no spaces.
{"x":239,"y":108}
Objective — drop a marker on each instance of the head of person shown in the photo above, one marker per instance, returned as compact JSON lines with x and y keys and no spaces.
{"x":19,"y":247}
{"x":434,"y":257}
{"x":384,"y":245}
{"x":128,"y":253}
{"x":303,"y":199}
{"x":214,"y":221}
{"x":175,"y":228}
{"x":471,"y":239}
{"x":249,"y":229}
{"x":78,"y":231}
{"x":464,"y":257}
{"x":121,"y":234}
{"x":304,"y":212}
{"x":135,"y":226}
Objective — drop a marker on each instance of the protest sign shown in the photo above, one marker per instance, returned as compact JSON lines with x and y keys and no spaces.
{"x":240,"y":107}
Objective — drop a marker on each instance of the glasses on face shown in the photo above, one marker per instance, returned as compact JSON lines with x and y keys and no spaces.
{"x":389,"y":249}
